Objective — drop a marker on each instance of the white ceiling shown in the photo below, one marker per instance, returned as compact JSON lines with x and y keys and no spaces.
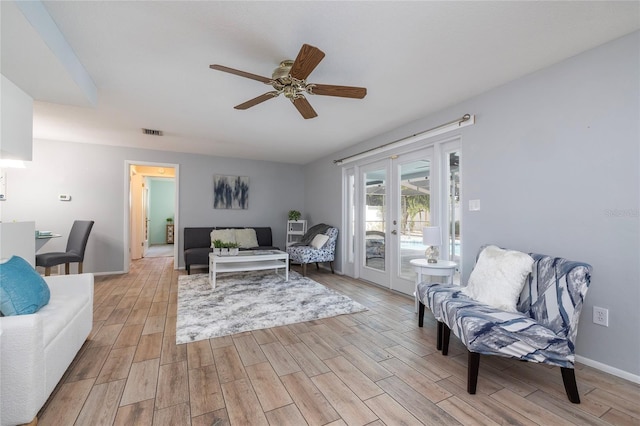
{"x":150,"y":63}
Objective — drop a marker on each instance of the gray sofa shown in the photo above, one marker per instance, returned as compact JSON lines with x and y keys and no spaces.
{"x":197,"y":243}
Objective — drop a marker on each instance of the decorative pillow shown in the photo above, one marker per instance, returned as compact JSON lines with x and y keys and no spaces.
{"x":246,"y":238}
{"x":224,"y":235}
{"x":22,"y":290}
{"x":319,"y":241}
{"x":498,"y":277}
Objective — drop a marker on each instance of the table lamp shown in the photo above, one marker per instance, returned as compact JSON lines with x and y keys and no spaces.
{"x":432,"y":239}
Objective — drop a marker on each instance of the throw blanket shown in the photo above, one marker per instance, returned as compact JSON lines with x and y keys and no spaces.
{"x":306,"y":239}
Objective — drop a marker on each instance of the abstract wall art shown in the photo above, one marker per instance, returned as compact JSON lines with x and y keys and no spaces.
{"x":230,"y":192}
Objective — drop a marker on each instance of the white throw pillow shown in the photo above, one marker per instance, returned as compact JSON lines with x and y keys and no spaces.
{"x":319,"y":241}
{"x":498,"y":277}
{"x":224,"y":235}
{"x":246,"y":238}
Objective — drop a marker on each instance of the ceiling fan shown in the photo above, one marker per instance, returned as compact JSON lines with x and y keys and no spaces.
{"x":289,"y":79}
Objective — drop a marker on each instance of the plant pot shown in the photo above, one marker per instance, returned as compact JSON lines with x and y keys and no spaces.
{"x":216,"y":251}
{"x":234,"y":251}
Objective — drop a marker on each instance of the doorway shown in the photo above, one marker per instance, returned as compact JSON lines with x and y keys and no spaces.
{"x":387,"y":203}
{"x":151,"y":211}
{"x":398,"y":198}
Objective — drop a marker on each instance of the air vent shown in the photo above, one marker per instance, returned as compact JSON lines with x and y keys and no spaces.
{"x":152,"y":132}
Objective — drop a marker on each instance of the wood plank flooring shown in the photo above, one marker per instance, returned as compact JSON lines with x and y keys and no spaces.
{"x":371,"y":368}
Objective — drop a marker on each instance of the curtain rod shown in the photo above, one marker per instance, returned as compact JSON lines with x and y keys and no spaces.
{"x":467,"y":118}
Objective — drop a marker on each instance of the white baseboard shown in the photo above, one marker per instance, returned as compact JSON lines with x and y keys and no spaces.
{"x":608,"y":369}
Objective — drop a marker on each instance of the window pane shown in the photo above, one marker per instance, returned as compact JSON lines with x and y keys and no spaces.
{"x":455,"y":241}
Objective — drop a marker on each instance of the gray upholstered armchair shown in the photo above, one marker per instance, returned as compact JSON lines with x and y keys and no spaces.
{"x":304,"y":254}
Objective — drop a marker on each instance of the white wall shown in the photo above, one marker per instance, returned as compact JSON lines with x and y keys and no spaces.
{"x":554,"y":158}
{"x":94,"y":177}
{"x":16,"y":122}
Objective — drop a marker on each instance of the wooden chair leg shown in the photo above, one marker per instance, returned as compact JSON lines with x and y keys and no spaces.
{"x":317,"y":266}
{"x":47,"y":271}
{"x":420,"y":314}
{"x":446,"y":333}
{"x":79,"y":267}
{"x":570,"y":385}
{"x":439,"y":335}
{"x":66,"y":268}
{"x":304,"y":269}
{"x":331,"y":265}
{"x":472,"y":371}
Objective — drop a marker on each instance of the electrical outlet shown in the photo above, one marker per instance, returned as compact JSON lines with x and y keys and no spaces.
{"x":601,"y":316}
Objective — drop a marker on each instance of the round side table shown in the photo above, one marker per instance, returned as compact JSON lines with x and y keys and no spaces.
{"x":442,"y":268}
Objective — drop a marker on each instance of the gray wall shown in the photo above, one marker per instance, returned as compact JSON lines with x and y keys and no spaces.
{"x":554,"y":158}
{"x":94,"y":176}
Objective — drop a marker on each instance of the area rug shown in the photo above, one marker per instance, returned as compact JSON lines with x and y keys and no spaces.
{"x":251,"y":301}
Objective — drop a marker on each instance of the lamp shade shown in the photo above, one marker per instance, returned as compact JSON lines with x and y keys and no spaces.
{"x":431,"y":236}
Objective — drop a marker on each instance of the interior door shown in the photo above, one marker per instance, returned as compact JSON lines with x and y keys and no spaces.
{"x":136,"y":215}
{"x":145,"y":215}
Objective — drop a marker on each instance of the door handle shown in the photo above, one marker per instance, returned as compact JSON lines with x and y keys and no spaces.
{"x":394,"y":232}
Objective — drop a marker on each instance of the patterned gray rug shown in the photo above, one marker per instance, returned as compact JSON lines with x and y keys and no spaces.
{"x":250,"y":301}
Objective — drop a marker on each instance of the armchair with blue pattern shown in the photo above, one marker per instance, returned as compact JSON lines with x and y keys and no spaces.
{"x":543,"y":330}
{"x":307,"y":254}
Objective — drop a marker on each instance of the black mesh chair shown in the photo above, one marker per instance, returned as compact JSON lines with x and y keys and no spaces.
{"x":76,"y":244}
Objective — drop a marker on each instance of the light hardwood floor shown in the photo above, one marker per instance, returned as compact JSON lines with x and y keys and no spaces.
{"x":372,"y":368}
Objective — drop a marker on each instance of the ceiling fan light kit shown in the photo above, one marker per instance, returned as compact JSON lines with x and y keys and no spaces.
{"x":289,"y":79}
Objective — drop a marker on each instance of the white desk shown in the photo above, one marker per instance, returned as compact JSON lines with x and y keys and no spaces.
{"x":41,"y":240}
{"x":442,"y":268}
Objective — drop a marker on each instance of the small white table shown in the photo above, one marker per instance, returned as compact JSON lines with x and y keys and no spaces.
{"x":442,"y":268}
{"x":256,"y":260}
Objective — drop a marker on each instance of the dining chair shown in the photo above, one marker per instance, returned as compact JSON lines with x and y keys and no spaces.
{"x":76,"y":245}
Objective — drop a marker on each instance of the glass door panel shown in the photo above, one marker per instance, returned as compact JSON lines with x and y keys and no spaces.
{"x":375,"y":214}
{"x":415,"y":212}
{"x":413,"y":195}
{"x":373,"y":228}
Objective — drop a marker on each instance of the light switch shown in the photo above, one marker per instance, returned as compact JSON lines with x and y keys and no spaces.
{"x":64,"y":197}
{"x":474,"y":205}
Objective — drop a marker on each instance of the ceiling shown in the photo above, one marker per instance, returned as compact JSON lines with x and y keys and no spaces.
{"x":148,"y":63}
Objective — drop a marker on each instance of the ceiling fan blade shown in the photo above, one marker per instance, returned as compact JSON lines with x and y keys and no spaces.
{"x":304,"y":107}
{"x":241,"y":73}
{"x":342,"y":91}
{"x":257,"y":100}
{"x":307,"y":60}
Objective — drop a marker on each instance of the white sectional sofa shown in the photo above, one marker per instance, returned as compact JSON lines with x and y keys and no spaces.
{"x":36,"y":349}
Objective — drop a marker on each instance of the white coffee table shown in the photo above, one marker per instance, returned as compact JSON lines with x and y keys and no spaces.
{"x":256,"y":260}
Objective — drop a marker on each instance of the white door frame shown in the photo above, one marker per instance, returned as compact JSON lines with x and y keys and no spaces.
{"x":126,"y":212}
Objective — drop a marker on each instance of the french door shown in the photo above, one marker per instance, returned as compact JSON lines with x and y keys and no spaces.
{"x":398,"y":196}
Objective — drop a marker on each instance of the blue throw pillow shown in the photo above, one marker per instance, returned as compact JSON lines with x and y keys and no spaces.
{"x":22,"y":290}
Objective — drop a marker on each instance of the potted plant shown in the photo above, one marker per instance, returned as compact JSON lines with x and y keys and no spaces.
{"x":234,"y":249}
{"x":294,"y":215}
{"x":169,"y":220}
{"x":217,"y":246}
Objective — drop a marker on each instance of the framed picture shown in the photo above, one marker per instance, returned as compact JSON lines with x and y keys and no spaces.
{"x":230,"y":192}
